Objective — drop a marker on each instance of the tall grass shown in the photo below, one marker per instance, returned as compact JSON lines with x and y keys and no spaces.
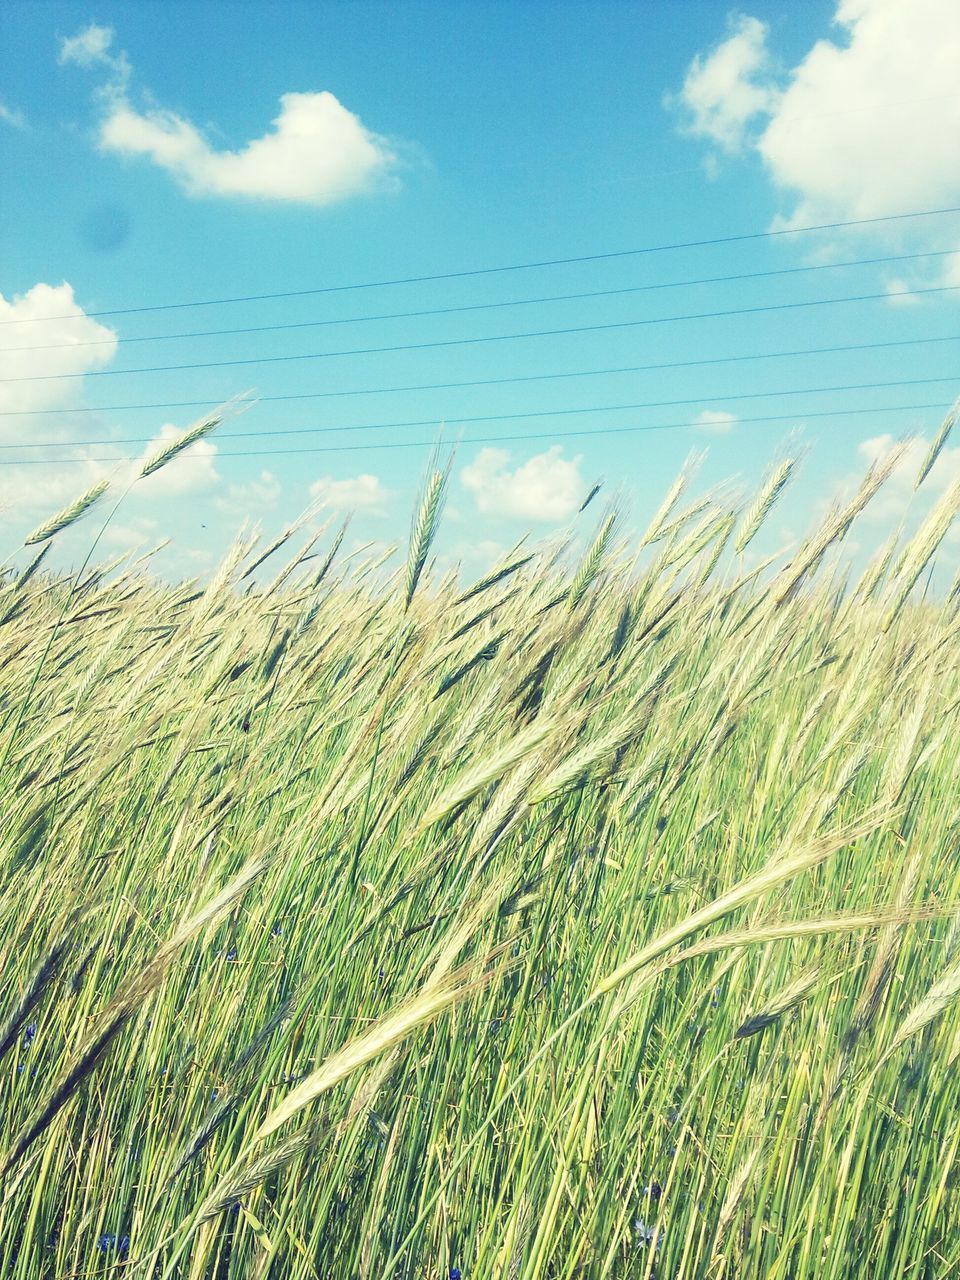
{"x":578,"y":922}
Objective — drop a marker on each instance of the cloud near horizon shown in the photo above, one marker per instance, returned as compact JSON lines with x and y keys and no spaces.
{"x":364,"y":494}
{"x":315,"y":152}
{"x":547,"y":487}
{"x":716,"y":422}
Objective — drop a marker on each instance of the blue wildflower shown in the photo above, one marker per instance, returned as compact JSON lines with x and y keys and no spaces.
{"x":646,"y":1234}
{"x":276,"y":931}
{"x":106,"y":1242}
{"x":232,"y":953}
{"x":29,"y":1033}
{"x":454,"y":1273}
{"x":654,"y":1191}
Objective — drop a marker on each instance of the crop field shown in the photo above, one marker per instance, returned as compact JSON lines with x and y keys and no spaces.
{"x":601,"y":918}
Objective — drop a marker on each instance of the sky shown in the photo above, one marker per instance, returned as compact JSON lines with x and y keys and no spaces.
{"x":568,"y":238}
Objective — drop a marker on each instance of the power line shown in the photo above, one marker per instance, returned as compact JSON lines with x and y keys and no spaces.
{"x":496,"y":382}
{"x":464,"y":342}
{"x":517,"y":266}
{"x":540,"y":435}
{"x":484,"y":306}
{"x":506,"y":417}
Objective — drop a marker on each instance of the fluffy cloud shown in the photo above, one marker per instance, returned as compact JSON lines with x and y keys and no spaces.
{"x":90,"y":48}
{"x":729,"y":87}
{"x":716,"y":422}
{"x":315,"y":151}
{"x":16,"y":119}
{"x":140,"y":530}
{"x":865,"y":125}
{"x":951,"y":272}
{"x":31,"y":491}
{"x":471,"y":558}
{"x":65,"y":334}
{"x":29,"y":488}
{"x":900,"y":294}
{"x":252,"y":497}
{"x":547,"y":487}
{"x":364,"y":493}
{"x":27,"y":491}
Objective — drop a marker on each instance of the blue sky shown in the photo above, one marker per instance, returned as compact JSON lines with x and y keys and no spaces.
{"x":157,"y":154}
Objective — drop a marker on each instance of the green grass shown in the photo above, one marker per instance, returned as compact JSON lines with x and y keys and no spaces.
{"x":601,"y":920}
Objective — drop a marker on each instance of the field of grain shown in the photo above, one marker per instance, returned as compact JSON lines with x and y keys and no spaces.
{"x":598,"y":919}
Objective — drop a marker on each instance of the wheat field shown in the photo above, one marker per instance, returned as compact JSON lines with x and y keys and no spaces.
{"x":601,"y":918}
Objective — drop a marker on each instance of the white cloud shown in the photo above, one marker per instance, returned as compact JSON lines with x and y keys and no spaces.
{"x":29,"y":491}
{"x":364,"y":493}
{"x":547,"y":487}
{"x":8,"y":115}
{"x":93,"y":47}
{"x":866,"y":124}
{"x":135,"y":533}
{"x":315,"y":151}
{"x":951,"y":271}
{"x":88,"y":47}
{"x":900,"y":293}
{"x":252,"y":496}
{"x":31,"y":488}
{"x":716,"y":422}
{"x":473,"y":558}
{"x":200,"y":557}
{"x":66,"y":335}
{"x":729,"y":87}
{"x":871,"y":126}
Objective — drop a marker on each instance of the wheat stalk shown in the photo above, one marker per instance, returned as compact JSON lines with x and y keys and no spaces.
{"x":424,"y":531}
{"x":68,"y":515}
{"x":939,"y":440}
